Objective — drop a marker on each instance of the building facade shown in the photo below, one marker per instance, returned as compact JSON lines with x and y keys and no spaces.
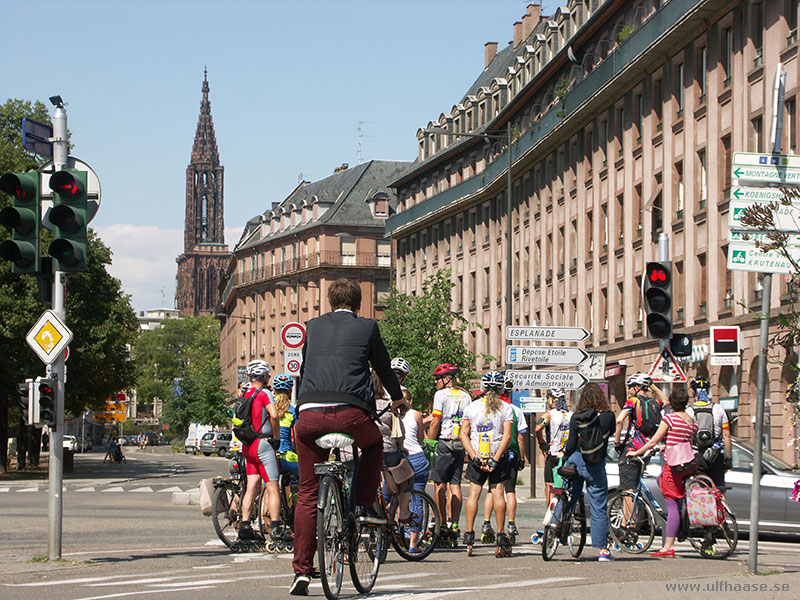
{"x":288,"y":256}
{"x":623,"y":117}
{"x":205,"y":255}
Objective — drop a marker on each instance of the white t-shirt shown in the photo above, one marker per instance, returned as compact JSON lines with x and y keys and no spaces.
{"x":411,"y":442}
{"x":559,"y":430}
{"x":486,"y":431}
{"x":449,"y":404}
{"x":522,"y":424}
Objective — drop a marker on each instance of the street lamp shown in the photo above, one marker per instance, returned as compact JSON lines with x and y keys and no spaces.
{"x":509,"y":227}
{"x":222,"y":315}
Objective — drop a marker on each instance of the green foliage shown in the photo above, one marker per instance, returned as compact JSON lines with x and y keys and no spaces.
{"x":186,"y":350}
{"x":625,"y":32}
{"x":562,"y":88}
{"x":426,"y":332}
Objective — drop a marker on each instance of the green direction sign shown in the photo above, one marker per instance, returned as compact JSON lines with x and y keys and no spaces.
{"x":756,"y":194}
{"x":787,"y":218}
{"x":754,"y":236}
{"x":753,"y":159}
{"x":767,"y":173}
{"x":746,"y":257}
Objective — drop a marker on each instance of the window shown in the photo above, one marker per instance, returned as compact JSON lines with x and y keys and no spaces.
{"x":791,"y":20}
{"x":384,"y":253}
{"x":658,"y":216}
{"x":637,"y":211}
{"x":679,"y":89}
{"x":790,"y":126}
{"x":604,"y":225}
{"x":757,"y":33}
{"x":728,"y":154}
{"x":703,"y":179}
{"x":485,"y":285}
{"x":590,"y":149}
{"x":589,"y":236}
{"x":639,"y":104}
{"x":702,"y":293}
{"x":604,"y":142}
{"x":677,"y":291}
{"x":459,"y":233}
{"x":621,"y":128}
{"x":658,"y":99}
{"x":702,"y":74}
{"x":621,"y":217}
{"x":460,"y":293}
{"x":727,"y":57}
{"x":472,"y":226}
{"x":757,"y":135}
{"x":679,"y":190}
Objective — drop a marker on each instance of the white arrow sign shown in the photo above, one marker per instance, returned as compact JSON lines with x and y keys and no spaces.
{"x":767,"y":173}
{"x":527,"y":380}
{"x":746,"y":257}
{"x":757,"y":236}
{"x":545,"y":355}
{"x":547,"y":334}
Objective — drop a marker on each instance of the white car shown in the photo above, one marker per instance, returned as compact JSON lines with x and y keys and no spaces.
{"x":69,"y":442}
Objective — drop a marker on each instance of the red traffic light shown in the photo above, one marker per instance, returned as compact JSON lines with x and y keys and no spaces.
{"x":66,"y":185}
{"x":20,"y":185}
{"x":657,"y":275}
{"x":45,"y":388}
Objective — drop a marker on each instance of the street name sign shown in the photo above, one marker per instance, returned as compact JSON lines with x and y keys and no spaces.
{"x":756,"y":194}
{"x":755,"y":159}
{"x":545,"y":355}
{"x":767,"y":174}
{"x":528,"y":380}
{"x":548,"y":334}
{"x":532,"y":404}
{"x":49,"y":337}
{"x":786,"y":217}
{"x":755,"y":236}
{"x":743,"y":256}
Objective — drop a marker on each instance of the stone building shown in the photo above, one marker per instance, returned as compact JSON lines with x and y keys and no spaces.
{"x":205,"y":254}
{"x":288,"y":256}
{"x":624,"y":117}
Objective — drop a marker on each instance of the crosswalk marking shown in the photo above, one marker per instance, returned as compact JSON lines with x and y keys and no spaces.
{"x":86,"y":489}
{"x":113,"y":489}
{"x":4,"y":489}
{"x":174,"y":488}
{"x":146,"y":488}
{"x":31,"y":489}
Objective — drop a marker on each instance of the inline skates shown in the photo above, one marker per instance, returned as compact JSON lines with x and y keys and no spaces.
{"x":469,"y":541}
{"x":487,"y":533}
{"x":503,"y":548}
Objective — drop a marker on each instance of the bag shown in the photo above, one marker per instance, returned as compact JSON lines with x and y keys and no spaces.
{"x":591,"y":441}
{"x":704,"y":503}
{"x":399,"y":478}
{"x":206,"y":495}
{"x":648,"y":415}
{"x":704,"y":438}
{"x":681,"y":458}
{"x":243,"y":420}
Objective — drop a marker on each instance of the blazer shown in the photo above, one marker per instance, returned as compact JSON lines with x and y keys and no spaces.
{"x":337,"y":354}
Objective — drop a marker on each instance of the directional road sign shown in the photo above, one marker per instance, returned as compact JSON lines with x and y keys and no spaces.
{"x":767,"y":174}
{"x":49,"y":337}
{"x":754,"y":236}
{"x":531,"y":404}
{"x":746,"y":257}
{"x":545,"y":355}
{"x":547,"y":334}
{"x":756,"y":194}
{"x":787,"y":218}
{"x":755,"y":159}
{"x":528,"y":380}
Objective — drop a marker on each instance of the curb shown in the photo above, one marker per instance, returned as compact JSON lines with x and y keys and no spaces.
{"x":186,"y":498}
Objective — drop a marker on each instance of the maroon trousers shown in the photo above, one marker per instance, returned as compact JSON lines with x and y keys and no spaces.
{"x":310,"y":425}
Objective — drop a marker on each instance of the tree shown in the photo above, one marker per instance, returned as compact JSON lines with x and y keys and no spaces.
{"x":179,"y":363}
{"x":423,"y":330}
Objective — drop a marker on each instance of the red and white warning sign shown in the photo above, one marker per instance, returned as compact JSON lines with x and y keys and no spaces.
{"x":293,"y":335}
{"x":666,"y":369}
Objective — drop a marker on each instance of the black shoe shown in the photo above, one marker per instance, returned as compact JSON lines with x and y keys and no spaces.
{"x":367,"y":514}
{"x":299,"y":586}
{"x":247,"y":534}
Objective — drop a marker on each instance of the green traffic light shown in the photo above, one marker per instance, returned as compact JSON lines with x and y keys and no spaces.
{"x":22,"y":219}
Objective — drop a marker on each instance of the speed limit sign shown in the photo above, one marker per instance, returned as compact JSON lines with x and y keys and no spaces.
{"x":293,"y":359}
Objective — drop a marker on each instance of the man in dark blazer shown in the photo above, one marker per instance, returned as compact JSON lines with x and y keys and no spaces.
{"x":336,"y":395}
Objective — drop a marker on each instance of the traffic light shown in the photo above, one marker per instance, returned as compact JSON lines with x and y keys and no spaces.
{"x":25,"y":401}
{"x":68,"y":215}
{"x":23,"y":220}
{"x":657,"y":293}
{"x":681,"y":344}
{"x":45,"y":395}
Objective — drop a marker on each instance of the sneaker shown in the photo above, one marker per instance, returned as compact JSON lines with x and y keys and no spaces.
{"x":367,"y":514}
{"x":605,"y":555}
{"x":299,"y":586}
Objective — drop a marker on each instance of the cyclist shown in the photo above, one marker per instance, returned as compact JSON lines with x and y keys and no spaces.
{"x":449,"y":403}
{"x":262,"y":464}
{"x":401,"y":368}
{"x":486,"y":434}
{"x":554,"y":424}
{"x":282,"y":385}
{"x":713,"y":434}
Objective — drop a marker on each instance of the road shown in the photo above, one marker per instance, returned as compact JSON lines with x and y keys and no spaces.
{"x":123,"y":537}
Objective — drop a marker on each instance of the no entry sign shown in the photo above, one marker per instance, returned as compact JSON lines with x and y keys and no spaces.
{"x":293,"y":335}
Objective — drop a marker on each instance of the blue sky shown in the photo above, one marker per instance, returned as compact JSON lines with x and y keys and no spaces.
{"x":290,"y":82}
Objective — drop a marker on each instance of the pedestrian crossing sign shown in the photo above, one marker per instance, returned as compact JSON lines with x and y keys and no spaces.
{"x":666,"y":369}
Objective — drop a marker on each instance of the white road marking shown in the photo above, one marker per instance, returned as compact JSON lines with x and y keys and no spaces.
{"x":86,"y":489}
{"x":146,"y":488}
{"x":174,"y":488}
{"x":113,"y":489}
{"x":211,"y":567}
{"x":3,"y":489}
{"x":138,"y":593}
{"x":32,"y":489}
{"x":217,"y":542}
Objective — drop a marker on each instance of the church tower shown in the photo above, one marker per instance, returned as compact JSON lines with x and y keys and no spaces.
{"x":205,"y":256}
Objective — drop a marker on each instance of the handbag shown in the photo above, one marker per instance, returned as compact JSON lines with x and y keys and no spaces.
{"x":681,"y":458}
{"x":704,"y":503}
{"x":398,"y":478}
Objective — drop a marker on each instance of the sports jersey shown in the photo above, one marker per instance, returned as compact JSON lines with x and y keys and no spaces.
{"x":521,"y":426}
{"x":636,"y":438}
{"x":559,"y":430}
{"x":718,"y":414}
{"x":286,"y":423}
{"x":486,"y":431}
{"x":449,"y":405}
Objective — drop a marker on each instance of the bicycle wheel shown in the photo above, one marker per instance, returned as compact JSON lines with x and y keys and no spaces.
{"x":225,"y":512}
{"x":577,"y":530}
{"x":330,"y":537}
{"x":550,"y":533}
{"x":633,"y":533}
{"x":424,"y":527}
{"x":716,"y":542}
{"x":366,"y":547}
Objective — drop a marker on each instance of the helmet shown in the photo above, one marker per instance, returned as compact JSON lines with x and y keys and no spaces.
{"x":509,"y":385}
{"x":282,"y":382}
{"x":639,"y":380}
{"x":493,"y":380}
{"x":556,"y":393}
{"x":445,"y":369}
{"x":256,"y":369}
{"x":401,"y":364}
{"x":700,"y":383}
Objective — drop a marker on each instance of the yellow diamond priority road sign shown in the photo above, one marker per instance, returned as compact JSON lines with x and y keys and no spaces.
{"x":49,"y":337}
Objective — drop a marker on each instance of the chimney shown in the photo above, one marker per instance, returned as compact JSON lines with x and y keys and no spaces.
{"x":517,"y":33}
{"x":529,"y":20}
{"x":491,"y":52}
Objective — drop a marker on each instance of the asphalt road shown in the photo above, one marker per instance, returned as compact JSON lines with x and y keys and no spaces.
{"x":123,"y":537}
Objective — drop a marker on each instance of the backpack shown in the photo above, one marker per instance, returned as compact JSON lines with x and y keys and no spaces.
{"x":243,"y":419}
{"x":704,"y":438}
{"x":591,"y":441}
{"x":648,"y":415}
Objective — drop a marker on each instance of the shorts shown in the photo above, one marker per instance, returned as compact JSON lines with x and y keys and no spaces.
{"x":261,"y":460}
{"x":449,"y":462}
{"x":500,"y":474}
{"x":629,"y":472}
{"x":550,"y":463}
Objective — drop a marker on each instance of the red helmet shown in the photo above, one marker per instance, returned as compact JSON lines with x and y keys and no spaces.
{"x":445,"y":369}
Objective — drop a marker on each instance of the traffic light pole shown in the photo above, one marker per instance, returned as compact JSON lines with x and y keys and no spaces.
{"x":57,"y":369}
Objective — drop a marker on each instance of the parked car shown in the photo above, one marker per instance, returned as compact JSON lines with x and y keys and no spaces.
{"x":70,"y":442}
{"x":87,"y":443}
{"x":192,"y":442}
{"x":779,"y":513}
{"x":215,"y":441}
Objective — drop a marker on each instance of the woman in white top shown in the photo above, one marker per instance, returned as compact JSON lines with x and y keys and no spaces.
{"x":415,"y":433}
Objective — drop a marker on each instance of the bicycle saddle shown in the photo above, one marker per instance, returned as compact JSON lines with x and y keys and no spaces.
{"x":567,"y":472}
{"x":334,"y":440}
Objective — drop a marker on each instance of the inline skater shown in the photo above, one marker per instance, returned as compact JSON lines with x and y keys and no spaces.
{"x":555,"y":425}
{"x":449,"y":404}
{"x":486,"y":434}
{"x":713,"y":435}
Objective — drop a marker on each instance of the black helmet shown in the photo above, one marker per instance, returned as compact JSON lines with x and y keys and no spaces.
{"x":700,"y":383}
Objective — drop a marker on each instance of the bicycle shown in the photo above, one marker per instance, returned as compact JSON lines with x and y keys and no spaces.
{"x":423,"y":525}
{"x":565,"y":519}
{"x":226,"y":505}
{"x":340,"y":537}
{"x":635,"y":532}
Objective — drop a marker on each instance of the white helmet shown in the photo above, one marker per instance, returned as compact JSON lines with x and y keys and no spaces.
{"x":401,"y":364}
{"x":640,"y":380}
{"x":257,"y":369}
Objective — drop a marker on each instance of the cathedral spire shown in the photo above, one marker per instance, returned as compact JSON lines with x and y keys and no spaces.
{"x":204,"y":149}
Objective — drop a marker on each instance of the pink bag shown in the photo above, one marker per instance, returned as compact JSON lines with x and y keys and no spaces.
{"x":704,"y":503}
{"x":681,"y":458}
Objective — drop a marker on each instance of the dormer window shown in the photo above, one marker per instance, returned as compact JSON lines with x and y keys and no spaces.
{"x":379,"y":205}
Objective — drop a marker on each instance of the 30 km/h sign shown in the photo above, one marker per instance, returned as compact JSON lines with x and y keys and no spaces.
{"x":545,"y":355}
{"x":746,"y":257}
{"x":570,"y":380}
{"x":787,"y":218}
{"x":293,"y":335}
{"x":49,"y":337}
{"x":547,"y":334}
